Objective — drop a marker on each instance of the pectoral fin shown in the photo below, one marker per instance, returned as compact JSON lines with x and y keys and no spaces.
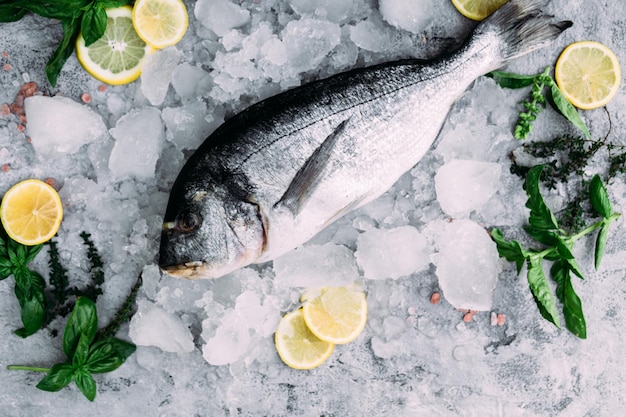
{"x":309,"y":176}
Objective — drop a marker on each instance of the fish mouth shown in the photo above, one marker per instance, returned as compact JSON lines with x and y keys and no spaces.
{"x":195,"y":270}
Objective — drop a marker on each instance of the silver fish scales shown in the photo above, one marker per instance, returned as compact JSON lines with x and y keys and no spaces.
{"x":276,"y":174}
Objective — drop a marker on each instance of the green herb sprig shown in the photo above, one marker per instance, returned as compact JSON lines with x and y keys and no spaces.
{"x":87,"y":352}
{"x":29,"y":285}
{"x":537,"y":100}
{"x":77,"y":16}
{"x":557,"y":246}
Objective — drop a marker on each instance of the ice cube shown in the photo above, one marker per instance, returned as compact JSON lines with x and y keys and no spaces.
{"x":153,"y":326}
{"x":188,"y":126}
{"x":392,"y":253}
{"x":467,"y":265}
{"x":409,"y":15}
{"x":156,"y":74}
{"x":190,"y":82}
{"x":367,"y":35}
{"x":316,"y":266}
{"x":60,"y":125}
{"x":220,"y":16}
{"x":463,"y":186}
{"x":334,"y":10}
{"x":308,"y":41}
{"x":139,"y":139}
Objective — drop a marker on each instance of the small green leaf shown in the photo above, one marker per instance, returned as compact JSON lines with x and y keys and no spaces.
{"x":603,"y":237}
{"x":109,"y":354}
{"x":599,"y":197}
{"x":59,"y":376}
{"x":10,"y":13}
{"x":81,"y":353}
{"x":567,"y":109}
{"x":29,"y":291}
{"x":511,"y":80}
{"x":93,"y":24}
{"x":541,"y":290}
{"x":547,"y":237}
{"x":82,"y":321}
{"x":86,"y":384}
{"x":511,"y":250}
{"x":71,"y":30}
{"x":572,"y":306}
{"x":541,"y":217}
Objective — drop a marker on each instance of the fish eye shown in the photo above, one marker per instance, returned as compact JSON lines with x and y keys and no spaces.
{"x":188,"y":221}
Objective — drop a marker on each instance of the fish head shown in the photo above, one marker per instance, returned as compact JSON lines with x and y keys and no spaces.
{"x":209,"y":232}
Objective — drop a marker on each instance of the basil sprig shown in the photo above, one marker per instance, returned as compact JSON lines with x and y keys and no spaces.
{"x":557,"y":246}
{"x":77,"y":16}
{"x":537,"y":100}
{"x":88,"y":352}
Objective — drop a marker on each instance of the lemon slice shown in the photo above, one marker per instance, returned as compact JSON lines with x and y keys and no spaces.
{"x":338,"y":315}
{"x":118,"y":56}
{"x":31,"y":212}
{"x":160,"y":23}
{"x":297,"y":346}
{"x":477,"y":9}
{"x":588,"y":74}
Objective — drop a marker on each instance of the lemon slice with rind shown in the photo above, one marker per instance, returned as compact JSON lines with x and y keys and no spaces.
{"x":31,"y":212}
{"x":588,"y":74}
{"x":338,"y":315}
{"x":160,"y":23}
{"x":477,"y":9}
{"x":117,"y":57}
{"x":297,"y":346}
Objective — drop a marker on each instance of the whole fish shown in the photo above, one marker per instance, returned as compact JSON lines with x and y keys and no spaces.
{"x":279,"y":172}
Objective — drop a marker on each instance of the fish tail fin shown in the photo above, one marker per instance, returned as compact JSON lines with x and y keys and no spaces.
{"x":521,"y":27}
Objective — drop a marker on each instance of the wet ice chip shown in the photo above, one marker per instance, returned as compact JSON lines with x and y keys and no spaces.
{"x":153,"y":326}
{"x":156,"y":74}
{"x":333,"y":10}
{"x":392,"y":253}
{"x":234,"y":334}
{"x":308,"y":41}
{"x":367,"y":35}
{"x":139,"y":139}
{"x":60,"y":125}
{"x":409,"y":15}
{"x":220,"y":15}
{"x":463,"y":186}
{"x":467,"y":265}
{"x":190,"y":81}
{"x":316,"y":266}
{"x":188,"y":127}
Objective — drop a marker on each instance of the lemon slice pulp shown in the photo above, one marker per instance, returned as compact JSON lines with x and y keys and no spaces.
{"x":160,"y":23}
{"x":31,"y":212}
{"x":477,"y":9}
{"x":118,"y":56}
{"x":588,"y":74}
{"x":338,"y":315}
{"x":297,"y":346}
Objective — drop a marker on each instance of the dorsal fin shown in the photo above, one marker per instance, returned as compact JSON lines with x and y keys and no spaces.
{"x":309,"y":176}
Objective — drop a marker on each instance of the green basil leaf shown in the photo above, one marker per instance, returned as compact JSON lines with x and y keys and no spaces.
{"x":81,"y":353}
{"x":541,"y":217}
{"x":541,"y":290}
{"x":30,"y":252}
{"x":93,"y":24}
{"x":547,"y":237}
{"x":511,"y":80}
{"x":572,"y":306}
{"x":71,"y":30}
{"x":82,"y":321}
{"x":59,"y":376}
{"x":511,"y":250}
{"x":108,"y":354}
{"x":567,"y":109}
{"x":86,"y":384}
{"x":603,"y":237}
{"x":599,"y":197}
{"x":32,"y":302}
{"x":10,"y":13}
{"x":109,"y":4}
